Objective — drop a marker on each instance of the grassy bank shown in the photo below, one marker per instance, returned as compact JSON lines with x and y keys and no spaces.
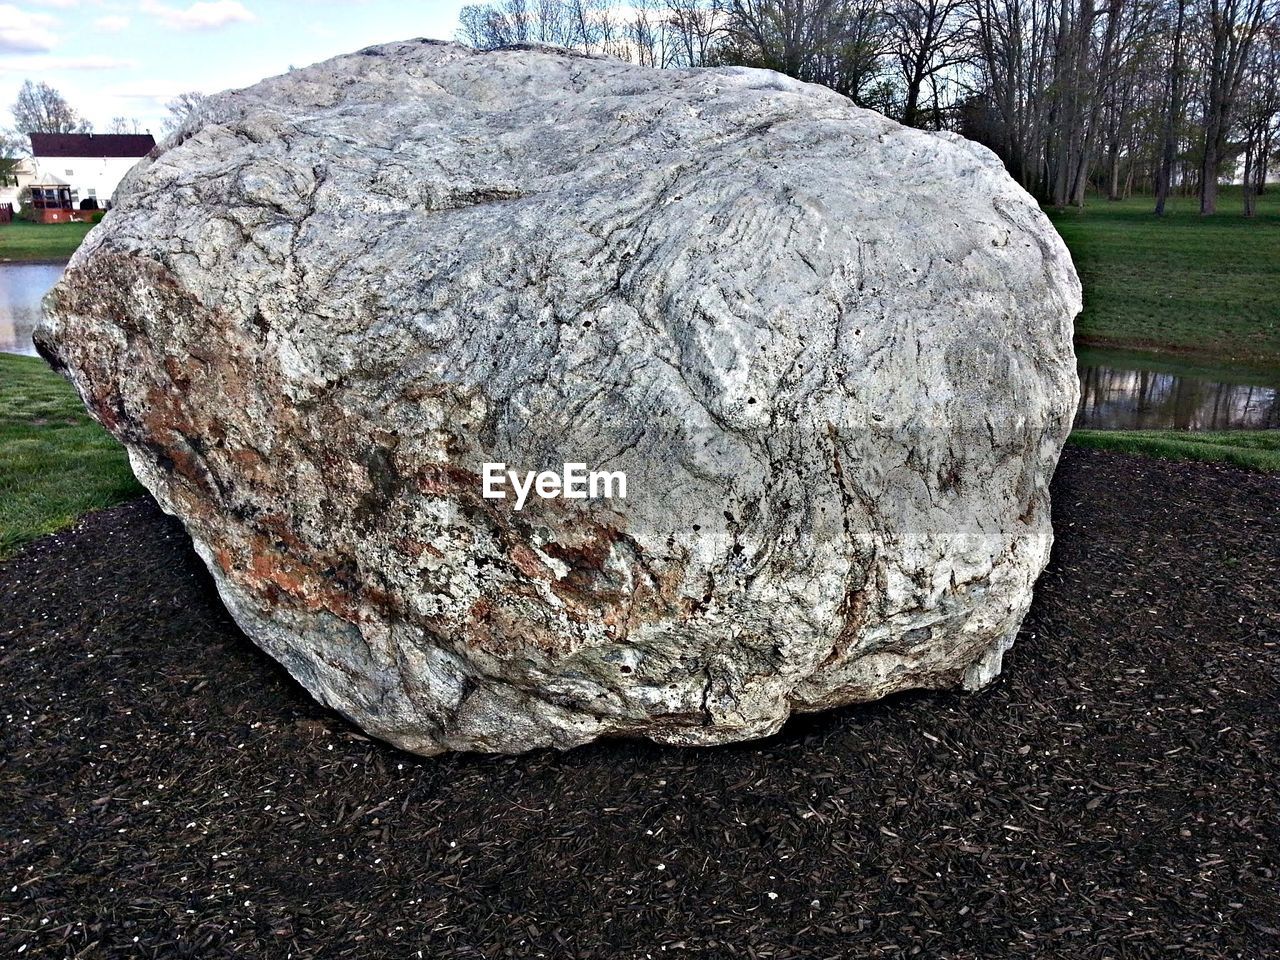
{"x":1207,"y":286}
{"x":55,"y":462}
{"x":1252,"y":449}
{"x":21,"y":241}
{"x":1195,"y":365}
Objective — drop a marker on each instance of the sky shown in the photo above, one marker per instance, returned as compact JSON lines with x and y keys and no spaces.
{"x":113,"y":58}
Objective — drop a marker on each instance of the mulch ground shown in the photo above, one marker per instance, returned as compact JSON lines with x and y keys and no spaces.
{"x":166,"y":790}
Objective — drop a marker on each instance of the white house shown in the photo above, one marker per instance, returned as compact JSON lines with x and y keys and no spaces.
{"x":12,"y":183}
{"x":80,"y":169}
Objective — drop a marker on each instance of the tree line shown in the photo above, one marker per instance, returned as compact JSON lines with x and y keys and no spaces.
{"x":1110,"y":97}
{"x":41,"y":108}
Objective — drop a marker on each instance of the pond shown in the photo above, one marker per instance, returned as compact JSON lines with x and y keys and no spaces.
{"x":22,"y":287}
{"x":1122,"y":390}
{"x":1119,"y":390}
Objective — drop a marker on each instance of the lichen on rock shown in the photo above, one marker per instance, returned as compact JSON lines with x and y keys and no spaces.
{"x":831,"y":354}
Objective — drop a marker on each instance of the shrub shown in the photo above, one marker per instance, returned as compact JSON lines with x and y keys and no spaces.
{"x":26,"y":210}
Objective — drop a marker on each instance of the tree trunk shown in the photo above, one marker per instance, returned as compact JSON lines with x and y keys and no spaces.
{"x":1113,"y":163}
{"x":911,"y":107}
{"x":1234,"y":25}
{"x":1250,"y":204}
{"x":1062,"y":117}
{"x":1168,"y":148}
{"x":1088,"y":135}
{"x":1209,"y":168}
{"x":1264,"y":159}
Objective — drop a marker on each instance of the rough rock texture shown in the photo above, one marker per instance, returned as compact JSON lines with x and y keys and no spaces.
{"x":832,"y":355}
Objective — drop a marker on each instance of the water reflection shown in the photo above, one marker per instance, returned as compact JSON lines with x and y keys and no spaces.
{"x":1120,"y":398}
{"x":22,"y":287}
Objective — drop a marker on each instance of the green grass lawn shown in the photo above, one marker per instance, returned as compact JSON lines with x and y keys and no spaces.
{"x":40,"y":241}
{"x":1253,"y":449}
{"x":1205,"y":285}
{"x":55,"y":462}
{"x":1198,"y":366}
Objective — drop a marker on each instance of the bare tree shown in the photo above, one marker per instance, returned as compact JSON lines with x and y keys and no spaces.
{"x":643,"y":31}
{"x":42,"y":109}
{"x":491,"y":25}
{"x":488,"y":26}
{"x":693,"y":30}
{"x":1131,"y":84}
{"x":1084,"y":58}
{"x":1260,"y":111}
{"x":124,"y":125}
{"x":179,"y":108}
{"x":1231,"y":27}
{"x":1173,"y":107}
{"x":1012,"y":44}
{"x":924,"y":38}
{"x":1073,"y":95}
{"x":589,"y":25}
{"x":666,"y":33}
{"x":838,"y":43}
{"x":13,"y":145}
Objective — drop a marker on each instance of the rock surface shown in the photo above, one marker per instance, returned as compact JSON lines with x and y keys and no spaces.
{"x":831,"y":354}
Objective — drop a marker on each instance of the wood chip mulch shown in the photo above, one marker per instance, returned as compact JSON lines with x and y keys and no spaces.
{"x":167,"y":791}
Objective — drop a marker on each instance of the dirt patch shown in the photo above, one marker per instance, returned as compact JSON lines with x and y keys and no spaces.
{"x":166,"y":790}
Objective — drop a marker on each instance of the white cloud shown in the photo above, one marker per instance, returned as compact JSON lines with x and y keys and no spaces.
{"x":60,"y":4}
{"x":144,"y":99}
{"x":100,"y":99}
{"x":205,"y":15}
{"x":39,"y":64}
{"x":24,"y":32}
{"x":111,"y":24}
{"x":155,"y":94}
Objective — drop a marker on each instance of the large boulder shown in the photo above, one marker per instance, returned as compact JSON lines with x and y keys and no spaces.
{"x":831,"y":354}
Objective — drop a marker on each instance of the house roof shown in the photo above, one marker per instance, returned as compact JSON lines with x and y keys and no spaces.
{"x":91,"y":144}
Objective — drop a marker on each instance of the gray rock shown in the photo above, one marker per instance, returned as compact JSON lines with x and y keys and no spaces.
{"x":831,"y":354}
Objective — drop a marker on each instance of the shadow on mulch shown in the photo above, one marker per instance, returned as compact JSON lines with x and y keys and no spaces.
{"x":165,"y":790}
